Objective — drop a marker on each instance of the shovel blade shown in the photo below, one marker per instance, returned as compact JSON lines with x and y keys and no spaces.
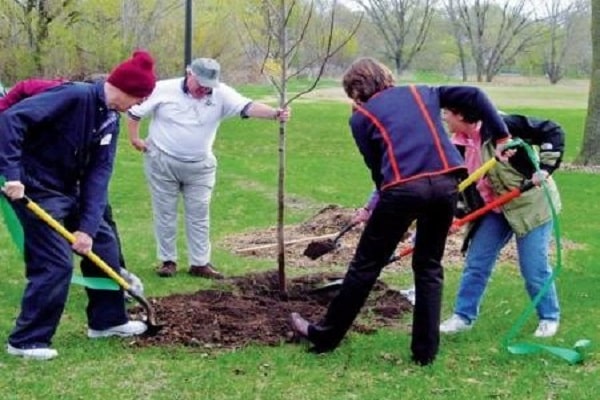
{"x":315,"y":250}
{"x":329,"y":286}
{"x":152,"y":326}
{"x":152,"y":329}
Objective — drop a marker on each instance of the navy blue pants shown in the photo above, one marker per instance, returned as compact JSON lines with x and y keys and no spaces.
{"x":431,"y":201}
{"x":49,"y":267}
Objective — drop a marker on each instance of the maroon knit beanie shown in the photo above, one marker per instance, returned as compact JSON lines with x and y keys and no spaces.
{"x":135,"y":76}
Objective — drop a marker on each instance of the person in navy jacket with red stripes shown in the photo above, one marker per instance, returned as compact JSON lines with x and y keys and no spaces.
{"x":416,"y":170}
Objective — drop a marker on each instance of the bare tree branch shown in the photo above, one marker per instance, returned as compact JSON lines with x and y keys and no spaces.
{"x":496,"y":33}
{"x":402,"y":24}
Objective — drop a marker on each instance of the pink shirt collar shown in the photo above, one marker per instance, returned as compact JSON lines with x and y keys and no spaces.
{"x":473,"y":160}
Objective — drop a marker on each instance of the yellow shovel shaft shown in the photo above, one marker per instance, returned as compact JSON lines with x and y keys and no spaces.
{"x":43,"y":215}
{"x":478,"y":173}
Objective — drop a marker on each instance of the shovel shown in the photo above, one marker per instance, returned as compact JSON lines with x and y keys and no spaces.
{"x":153,"y":327}
{"x":499,"y":201}
{"x":317,"y":249}
{"x":337,"y":283}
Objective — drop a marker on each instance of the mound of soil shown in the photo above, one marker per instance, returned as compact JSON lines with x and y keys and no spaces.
{"x":329,"y":221}
{"x":250,"y":310}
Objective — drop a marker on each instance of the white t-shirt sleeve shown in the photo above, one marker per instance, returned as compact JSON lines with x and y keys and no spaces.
{"x":233,"y":101}
{"x":147,"y":106}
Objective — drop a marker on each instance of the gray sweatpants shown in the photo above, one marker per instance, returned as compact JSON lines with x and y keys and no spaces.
{"x":168,"y":177}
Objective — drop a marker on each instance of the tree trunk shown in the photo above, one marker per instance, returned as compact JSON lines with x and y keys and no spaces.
{"x":458,"y":32}
{"x":283,"y":10}
{"x":463,"y":62}
{"x":590,"y":150}
{"x":398,"y":64}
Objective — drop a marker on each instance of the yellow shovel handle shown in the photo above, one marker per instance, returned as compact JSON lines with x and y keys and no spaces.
{"x":47,"y":218}
{"x":478,"y":173}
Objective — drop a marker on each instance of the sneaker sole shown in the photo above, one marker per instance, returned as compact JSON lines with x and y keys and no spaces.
{"x":98,"y":335}
{"x":455,"y":331}
{"x":19,"y":353}
{"x":545,"y":335}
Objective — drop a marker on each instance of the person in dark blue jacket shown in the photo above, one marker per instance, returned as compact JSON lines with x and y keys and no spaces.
{"x":30,"y":87}
{"x":416,"y":169}
{"x":58,"y":148}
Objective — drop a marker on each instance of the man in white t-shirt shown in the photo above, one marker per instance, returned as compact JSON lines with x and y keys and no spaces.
{"x":185,"y":115}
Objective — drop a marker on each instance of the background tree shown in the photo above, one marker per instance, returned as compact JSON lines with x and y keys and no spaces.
{"x":141,"y":21}
{"x":560,"y":27}
{"x":403,"y":25}
{"x":590,"y":150}
{"x":79,"y":37}
{"x":30,"y":20}
{"x":578,"y":58}
{"x":496,"y":33}
{"x":460,"y":36}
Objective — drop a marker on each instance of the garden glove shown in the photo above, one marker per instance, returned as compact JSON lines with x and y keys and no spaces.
{"x":135,"y":283}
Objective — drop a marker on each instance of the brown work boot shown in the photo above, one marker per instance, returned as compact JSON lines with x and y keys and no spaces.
{"x":205,"y":271}
{"x":167,"y":269}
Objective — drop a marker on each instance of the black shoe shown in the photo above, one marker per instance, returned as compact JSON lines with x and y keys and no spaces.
{"x":423,"y":361}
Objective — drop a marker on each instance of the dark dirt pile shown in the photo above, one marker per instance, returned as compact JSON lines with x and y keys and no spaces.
{"x":250,"y":310}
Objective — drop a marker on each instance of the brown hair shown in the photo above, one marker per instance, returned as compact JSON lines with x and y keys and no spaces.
{"x":365,"y":77}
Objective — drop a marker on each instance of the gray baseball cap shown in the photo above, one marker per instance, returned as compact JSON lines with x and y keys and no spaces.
{"x":206,"y":71}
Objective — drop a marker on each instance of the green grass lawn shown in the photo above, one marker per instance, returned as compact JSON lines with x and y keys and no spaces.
{"x":323,"y":167}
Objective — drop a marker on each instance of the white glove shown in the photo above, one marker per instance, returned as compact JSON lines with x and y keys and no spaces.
{"x":539,"y":176}
{"x":15,"y":190}
{"x":135,"y":283}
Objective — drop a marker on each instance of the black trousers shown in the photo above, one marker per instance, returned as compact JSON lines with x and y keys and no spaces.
{"x":431,"y":201}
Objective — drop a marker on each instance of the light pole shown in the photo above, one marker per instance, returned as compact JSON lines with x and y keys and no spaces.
{"x":187,"y":52}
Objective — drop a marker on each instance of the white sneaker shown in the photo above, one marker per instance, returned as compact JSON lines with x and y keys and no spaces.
{"x":409,"y":294}
{"x":455,"y":324}
{"x":546,"y":328}
{"x":42,"y":353}
{"x":131,"y":328}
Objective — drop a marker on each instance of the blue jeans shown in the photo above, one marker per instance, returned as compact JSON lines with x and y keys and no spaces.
{"x":491,"y":236}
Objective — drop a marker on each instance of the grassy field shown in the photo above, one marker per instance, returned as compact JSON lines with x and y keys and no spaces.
{"x":323,"y":167}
